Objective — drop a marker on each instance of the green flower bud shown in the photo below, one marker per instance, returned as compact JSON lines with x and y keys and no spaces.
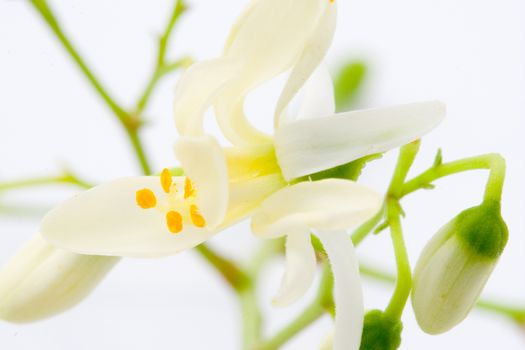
{"x":380,"y":332}
{"x":455,"y":266}
{"x":41,"y":281}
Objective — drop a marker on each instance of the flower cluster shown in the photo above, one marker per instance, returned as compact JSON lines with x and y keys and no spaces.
{"x":263,"y":178}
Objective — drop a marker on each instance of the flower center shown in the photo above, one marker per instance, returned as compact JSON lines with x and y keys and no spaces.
{"x":180,"y":208}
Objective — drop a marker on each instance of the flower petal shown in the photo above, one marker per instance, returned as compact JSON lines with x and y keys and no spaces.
{"x":41,"y":281}
{"x":318,"y":98}
{"x":312,"y":55}
{"x":348,"y":292}
{"x":269,"y":38}
{"x":195,"y":92}
{"x":106,"y":220}
{"x":301,"y":265}
{"x":204,"y":163}
{"x":310,"y":145}
{"x":330,"y":204}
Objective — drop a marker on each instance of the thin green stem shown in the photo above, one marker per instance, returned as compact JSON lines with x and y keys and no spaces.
{"x":162,"y":68}
{"x":130,"y":124}
{"x":323,"y":302}
{"x":364,"y":230}
{"x":66,"y":178}
{"x":404,"y":273}
{"x":494,"y":162}
{"x":251,"y":318}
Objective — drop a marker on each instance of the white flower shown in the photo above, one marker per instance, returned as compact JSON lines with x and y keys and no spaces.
{"x":161,"y":215}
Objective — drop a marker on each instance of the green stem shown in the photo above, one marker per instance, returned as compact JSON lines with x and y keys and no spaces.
{"x":130,"y":124}
{"x":364,"y":230}
{"x":161,"y":67}
{"x":322,"y":303}
{"x":407,"y":154}
{"x":251,"y":318}
{"x":494,"y":162}
{"x":67,"y":178}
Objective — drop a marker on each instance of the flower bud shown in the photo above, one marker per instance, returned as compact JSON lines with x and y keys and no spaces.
{"x":455,"y":266}
{"x":381,"y":332}
{"x":41,"y":281}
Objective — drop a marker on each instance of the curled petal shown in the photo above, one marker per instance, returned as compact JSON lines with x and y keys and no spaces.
{"x":106,"y":220}
{"x":41,"y":281}
{"x":312,"y":55}
{"x":348,"y":293}
{"x":270,"y":37}
{"x":310,"y":145}
{"x":196,"y":90}
{"x":300,"y":269}
{"x":330,"y":204}
{"x":204,"y":163}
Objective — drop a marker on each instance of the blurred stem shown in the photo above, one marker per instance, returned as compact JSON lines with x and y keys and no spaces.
{"x":322,"y":303}
{"x":162,"y":67}
{"x":66,"y":178}
{"x":516,"y":314}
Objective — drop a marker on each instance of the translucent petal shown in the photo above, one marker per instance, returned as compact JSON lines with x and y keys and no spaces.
{"x":330,"y":204}
{"x":270,"y":37}
{"x":312,"y":55}
{"x":348,"y":292}
{"x":301,"y":265}
{"x":204,"y":164}
{"x":195,"y":92}
{"x":41,"y":281}
{"x":310,"y":145}
{"x":106,"y":220}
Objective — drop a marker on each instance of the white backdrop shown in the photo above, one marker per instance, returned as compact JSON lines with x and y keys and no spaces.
{"x":470,"y":54}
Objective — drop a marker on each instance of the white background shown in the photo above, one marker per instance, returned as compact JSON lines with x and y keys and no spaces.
{"x":469,"y":53}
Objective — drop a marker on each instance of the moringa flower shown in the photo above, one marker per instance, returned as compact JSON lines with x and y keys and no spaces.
{"x":152,"y":216}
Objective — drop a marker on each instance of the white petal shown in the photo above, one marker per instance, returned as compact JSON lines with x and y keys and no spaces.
{"x":41,"y":281}
{"x":195,"y":92}
{"x":300,"y":269}
{"x":331,"y":204}
{"x":269,"y":38}
{"x":318,"y":99}
{"x":312,"y":55}
{"x":204,"y":163}
{"x":106,"y":220}
{"x":348,"y":293}
{"x":310,"y":145}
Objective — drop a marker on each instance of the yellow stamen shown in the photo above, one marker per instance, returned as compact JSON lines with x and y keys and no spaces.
{"x":174,"y":221}
{"x":146,"y":198}
{"x":188,"y":189}
{"x":196,"y":217}
{"x":166,"y":180}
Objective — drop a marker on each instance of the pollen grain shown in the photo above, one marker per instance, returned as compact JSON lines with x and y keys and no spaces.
{"x":196,"y":218}
{"x":166,"y":180}
{"x":174,"y":221}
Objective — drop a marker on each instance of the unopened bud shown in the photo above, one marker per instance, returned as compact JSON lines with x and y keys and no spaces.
{"x":381,"y":332}
{"x":455,"y":266}
{"x":41,"y":281}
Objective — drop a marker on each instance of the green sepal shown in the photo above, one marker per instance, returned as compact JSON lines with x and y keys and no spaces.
{"x":381,"y":332}
{"x":482,"y":230}
{"x":348,"y":83}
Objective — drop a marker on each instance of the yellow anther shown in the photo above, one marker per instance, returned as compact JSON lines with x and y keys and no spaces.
{"x":188,"y":189}
{"x":146,"y":198}
{"x":166,"y":180}
{"x":174,"y":221}
{"x":196,"y":217}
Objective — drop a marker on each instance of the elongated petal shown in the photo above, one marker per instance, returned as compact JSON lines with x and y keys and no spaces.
{"x":348,"y":293}
{"x":300,"y":269}
{"x":204,"y":163}
{"x":106,"y":220}
{"x":330,"y":204}
{"x":310,"y":58}
{"x":318,"y":99}
{"x":310,"y":145}
{"x":195,"y":92}
{"x":41,"y":281}
{"x":270,"y":37}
